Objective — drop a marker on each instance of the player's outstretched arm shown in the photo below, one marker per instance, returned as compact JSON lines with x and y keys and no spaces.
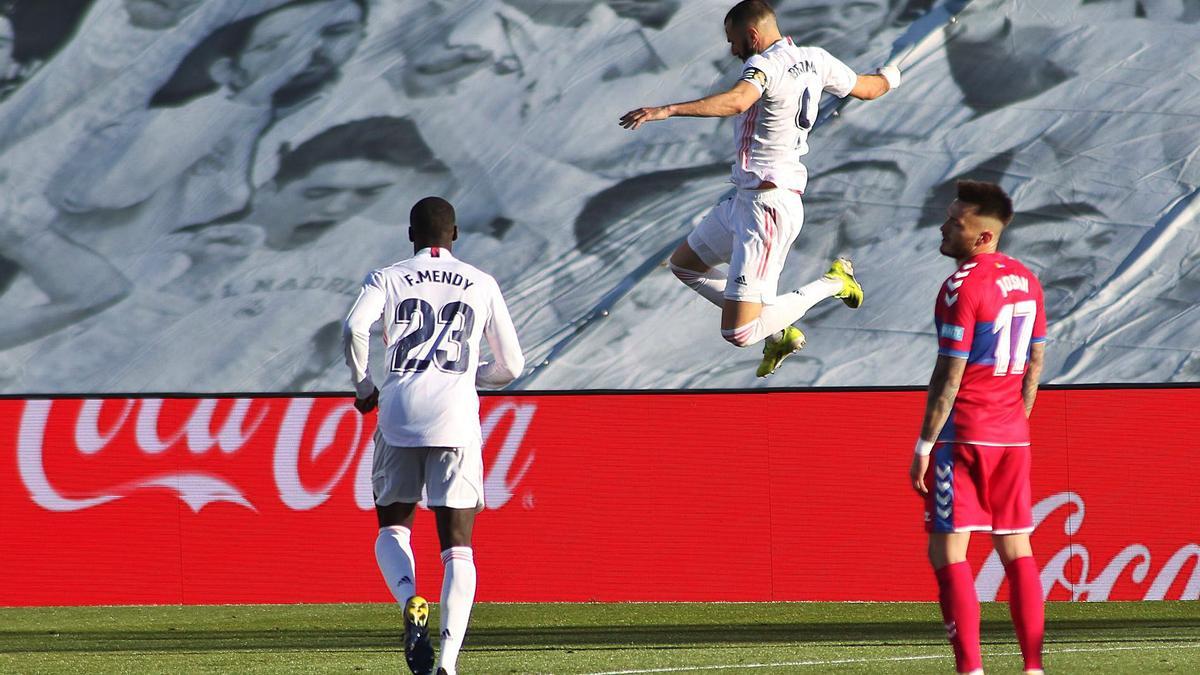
{"x":943,"y":388}
{"x":1033,"y":375}
{"x":356,"y":340}
{"x":507,"y":360}
{"x":872,"y":86}
{"x":726,"y":104}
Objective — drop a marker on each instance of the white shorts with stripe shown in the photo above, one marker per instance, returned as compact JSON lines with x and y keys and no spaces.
{"x":753,"y":232}
{"x":451,"y":477}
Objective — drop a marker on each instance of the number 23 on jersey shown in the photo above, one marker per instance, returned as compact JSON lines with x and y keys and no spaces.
{"x":446,"y":330}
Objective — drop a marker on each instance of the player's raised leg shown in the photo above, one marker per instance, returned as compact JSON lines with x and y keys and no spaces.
{"x":838,"y":282}
{"x":752,"y":231}
{"x":766,"y":224}
{"x":956,"y":595}
{"x":688,"y":267}
{"x":709,"y":244}
{"x":458,"y":581}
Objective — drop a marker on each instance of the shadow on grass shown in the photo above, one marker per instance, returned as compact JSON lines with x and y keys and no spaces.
{"x":589,"y":637}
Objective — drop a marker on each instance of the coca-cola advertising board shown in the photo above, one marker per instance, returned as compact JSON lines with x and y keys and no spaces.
{"x":631,"y":496}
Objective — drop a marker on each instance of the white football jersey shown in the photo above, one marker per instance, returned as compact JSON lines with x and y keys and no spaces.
{"x":772,"y":135}
{"x":435,"y":311}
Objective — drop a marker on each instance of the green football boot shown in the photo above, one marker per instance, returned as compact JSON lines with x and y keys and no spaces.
{"x":775,"y":351}
{"x":852,"y":292}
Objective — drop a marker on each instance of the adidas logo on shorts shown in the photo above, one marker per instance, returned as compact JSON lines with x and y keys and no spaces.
{"x":741,"y":280}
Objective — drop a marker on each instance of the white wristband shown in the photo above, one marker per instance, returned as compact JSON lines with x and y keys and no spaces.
{"x":924,"y":447}
{"x":892,"y":75}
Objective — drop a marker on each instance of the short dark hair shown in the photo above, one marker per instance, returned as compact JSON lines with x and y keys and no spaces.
{"x":192,"y":78}
{"x":391,"y":140}
{"x":432,"y":218}
{"x":749,"y":12}
{"x":989,"y":199}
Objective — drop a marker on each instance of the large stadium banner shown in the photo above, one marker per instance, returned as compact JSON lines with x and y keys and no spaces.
{"x":673,"y":497}
{"x":192,"y":190}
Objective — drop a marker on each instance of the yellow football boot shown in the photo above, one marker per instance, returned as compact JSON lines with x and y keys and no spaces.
{"x":852,"y":292}
{"x":775,"y":351}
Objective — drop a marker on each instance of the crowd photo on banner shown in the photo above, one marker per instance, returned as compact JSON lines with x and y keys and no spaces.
{"x":193,"y":188}
{"x":260,"y":260}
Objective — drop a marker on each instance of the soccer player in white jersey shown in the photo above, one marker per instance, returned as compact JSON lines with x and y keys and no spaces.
{"x":435,"y":310}
{"x":775,"y":102}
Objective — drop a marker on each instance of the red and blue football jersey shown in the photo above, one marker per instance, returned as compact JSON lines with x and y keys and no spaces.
{"x":989,"y":312}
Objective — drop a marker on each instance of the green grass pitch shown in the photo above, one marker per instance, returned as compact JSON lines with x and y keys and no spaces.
{"x":1141,"y":637}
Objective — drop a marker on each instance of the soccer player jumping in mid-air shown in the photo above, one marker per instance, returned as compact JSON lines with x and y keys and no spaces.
{"x":434,"y":309}
{"x":991,"y":325}
{"x":775,"y":102}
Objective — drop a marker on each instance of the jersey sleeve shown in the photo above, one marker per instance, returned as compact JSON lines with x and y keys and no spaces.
{"x":954,"y":318}
{"x":356,"y":331}
{"x":507,"y":360}
{"x":758,"y":72}
{"x":837,"y":77}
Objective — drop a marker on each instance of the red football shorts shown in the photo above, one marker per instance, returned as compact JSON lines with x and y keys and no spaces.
{"x":978,"y":487}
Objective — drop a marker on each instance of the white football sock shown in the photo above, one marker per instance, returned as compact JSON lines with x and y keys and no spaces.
{"x":458,"y":595}
{"x":787,"y":309}
{"x":710,"y":285}
{"x":394,"y":555}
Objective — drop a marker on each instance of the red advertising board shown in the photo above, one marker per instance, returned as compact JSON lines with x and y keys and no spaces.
{"x":638,"y":496}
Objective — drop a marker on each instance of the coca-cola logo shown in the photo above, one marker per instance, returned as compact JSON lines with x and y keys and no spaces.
{"x":1083,"y":586}
{"x":299,"y":435}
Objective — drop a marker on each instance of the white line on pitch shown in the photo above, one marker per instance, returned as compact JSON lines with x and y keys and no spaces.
{"x":888,"y":659}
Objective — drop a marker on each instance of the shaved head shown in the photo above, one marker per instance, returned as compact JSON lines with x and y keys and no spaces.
{"x":431,"y":222}
{"x":750,"y":28}
{"x":749,"y":13}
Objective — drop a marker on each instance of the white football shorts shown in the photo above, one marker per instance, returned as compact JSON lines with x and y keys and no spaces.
{"x":451,"y":477}
{"x":753,"y":232}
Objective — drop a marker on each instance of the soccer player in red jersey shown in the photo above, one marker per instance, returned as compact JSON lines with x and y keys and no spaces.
{"x":974,"y":445}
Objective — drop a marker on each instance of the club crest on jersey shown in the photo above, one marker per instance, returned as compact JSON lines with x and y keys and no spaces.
{"x":755,"y":75}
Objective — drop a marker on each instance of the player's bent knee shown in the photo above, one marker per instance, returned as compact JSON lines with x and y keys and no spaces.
{"x":689,"y":277}
{"x":685,"y":257}
{"x":738,"y":339}
{"x":682,"y":273}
